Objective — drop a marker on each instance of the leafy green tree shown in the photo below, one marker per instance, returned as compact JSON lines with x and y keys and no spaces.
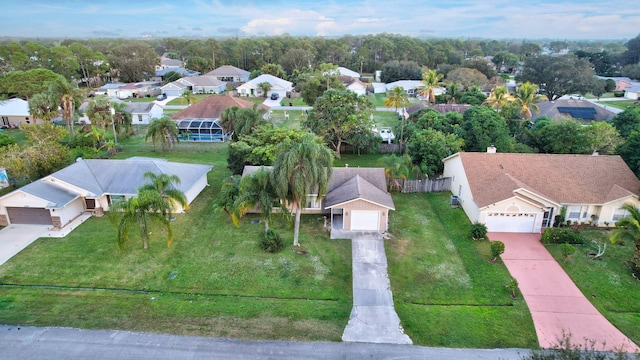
{"x":602,"y":137}
{"x":472,"y":98}
{"x":428,"y":147}
{"x":258,"y":189}
{"x":337,"y":115}
{"x":66,"y":95}
{"x":564,"y":136}
{"x":199,"y":64}
{"x":627,"y":121}
{"x":482,"y":127}
{"x":313,"y":84}
{"x":246,"y":120}
{"x":6,"y":140}
{"x":467,"y":77}
{"x":525,"y":97}
{"x":430,"y":80}
{"x":297,"y":59}
{"x":43,"y":107}
{"x":163,"y":130}
{"x":558,"y":75}
{"x":400,"y":70}
{"x":630,"y":151}
{"x":302,"y":168}
{"x":133,"y":61}
{"x":25,"y":84}
{"x":273,"y":69}
{"x":171,"y":76}
{"x":628,"y":228}
{"x":506,"y":60}
{"x":227,"y":199}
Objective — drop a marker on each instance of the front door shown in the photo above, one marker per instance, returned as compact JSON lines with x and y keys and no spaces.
{"x":547,"y":220}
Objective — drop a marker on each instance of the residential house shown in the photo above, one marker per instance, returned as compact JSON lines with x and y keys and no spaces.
{"x":92,"y":186}
{"x":160,"y":74}
{"x":228,"y":73}
{"x":356,"y":199}
{"x":410,"y":86}
{"x":524,"y":192}
{"x":582,"y":110}
{"x":15,"y":112}
{"x":167,"y":63}
{"x":354,"y":84}
{"x":196,"y":84}
{"x":213,"y":106}
{"x":143,"y":112}
{"x":632,"y":91}
{"x":125,"y":91}
{"x":343,"y":71}
{"x":621,"y":82}
{"x":278,"y":86}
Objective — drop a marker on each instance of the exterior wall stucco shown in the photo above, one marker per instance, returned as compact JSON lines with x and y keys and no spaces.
{"x":69,"y":212}
{"x":460,"y":187}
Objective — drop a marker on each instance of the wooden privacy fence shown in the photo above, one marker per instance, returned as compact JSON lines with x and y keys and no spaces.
{"x":427,"y":186}
{"x":383,"y":148}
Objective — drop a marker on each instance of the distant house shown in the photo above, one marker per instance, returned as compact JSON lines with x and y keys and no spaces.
{"x":278,"y":86}
{"x":621,"y":82}
{"x":228,"y":73}
{"x":143,"y":112}
{"x":127,"y":90}
{"x":353,"y":84}
{"x":343,"y":71}
{"x":582,"y":110}
{"x":92,"y":186}
{"x":524,"y":192}
{"x":356,"y":199}
{"x":196,"y":84}
{"x":166,"y":63}
{"x":160,"y":74}
{"x":15,"y":112}
{"x":213,"y":106}
{"x":410,"y":86}
{"x":632,"y":91}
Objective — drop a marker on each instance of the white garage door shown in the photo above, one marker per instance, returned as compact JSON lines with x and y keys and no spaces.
{"x":510,"y":222}
{"x":365,"y":220}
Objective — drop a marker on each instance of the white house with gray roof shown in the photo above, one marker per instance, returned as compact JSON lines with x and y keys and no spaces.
{"x":92,"y":186}
{"x":143,"y":112}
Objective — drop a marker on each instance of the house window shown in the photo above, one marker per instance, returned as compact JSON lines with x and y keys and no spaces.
{"x":140,"y":118}
{"x":115,"y":198}
{"x":573,"y":212}
{"x":619,"y":214}
{"x":312,"y":202}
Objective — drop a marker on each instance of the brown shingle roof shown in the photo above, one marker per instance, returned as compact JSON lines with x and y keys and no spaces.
{"x":213,"y":106}
{"x":565,"y":179}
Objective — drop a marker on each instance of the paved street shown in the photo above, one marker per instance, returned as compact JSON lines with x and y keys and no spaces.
{"x":30,"y":343}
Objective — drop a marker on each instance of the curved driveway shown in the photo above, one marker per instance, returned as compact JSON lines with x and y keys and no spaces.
{"x":555,"y":302}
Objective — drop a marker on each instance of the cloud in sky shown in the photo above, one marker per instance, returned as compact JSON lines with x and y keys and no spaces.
{"x":559,"y":19}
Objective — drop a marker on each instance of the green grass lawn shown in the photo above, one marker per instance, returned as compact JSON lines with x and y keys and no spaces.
{"x":621,"y":104}
{"x":17,"y":135}
{"x":607,"y":283}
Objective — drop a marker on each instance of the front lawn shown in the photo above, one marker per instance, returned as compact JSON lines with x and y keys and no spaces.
{"x":607,"y":283}
{"x":620,"y":104}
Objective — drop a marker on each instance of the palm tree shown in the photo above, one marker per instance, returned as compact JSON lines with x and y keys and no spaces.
{"x":43,"y":107}
{"x":147,"y":207}
{"x":99,"y":112}
{"x":396,"y":170}
{"x":228,"y":121}
{"x":66,"y":94}
{"x":302,"y":168}
{"x":257,"y":189}
{"x":628,"y":228}
{"x":398,"y":98}
{"x":165,"y":185}
{"x":163,"y":130}
{"x":430,"y":80}
{"x":499,"y":97}
{"x":265,"y":86}
{"x":453,"y":93}
{"x":187,"y":96}
{"x":525,"y":97}
{"x":227,"y":198}
{"x":121,"y":118}
{"x":97,"y":134}
{"x":246,"y":120}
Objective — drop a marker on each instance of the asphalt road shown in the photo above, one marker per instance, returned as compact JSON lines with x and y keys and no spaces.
{"x":27,"y":343}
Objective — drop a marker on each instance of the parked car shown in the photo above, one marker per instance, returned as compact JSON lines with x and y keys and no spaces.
{"x":274,"y":96}
{"x":385,"y":133}
{"x":576,"y":97}
{"x":161,"y":97}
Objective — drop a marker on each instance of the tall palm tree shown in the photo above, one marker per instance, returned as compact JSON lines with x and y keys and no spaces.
{"x":628,"y":228}
{"x":257,"y":189}
{"x":121,"y":117}
{"x":265,"y":86}
{"x":246,"y":120}
{"x":302,"y":168}
{"x":430,"y":80}
{"x":228,"y":121}
{"x":147,"y":207}
{"x":453,"y":93}
{"x":525,"y":97}
{"x":163,"y":130}
{"x":99,"y":112}
{"x":498,"y":98}
{"x":43,"y":107}
{"x":398,"y":98}
{"x":396,"y":170}
{"x":165,"y":184}
{"x":66,"y":94}
{"x":227,"y":198}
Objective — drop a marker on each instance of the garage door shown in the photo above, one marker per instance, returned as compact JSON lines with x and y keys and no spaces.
{"x":172,"y":92}
{"x":19,"y":215}
{"x":510,"y":222}
{"x":365,"y":220}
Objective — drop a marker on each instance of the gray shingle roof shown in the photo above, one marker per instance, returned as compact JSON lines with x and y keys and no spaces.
{"x":140,"y":107}
{"x":228,"y":70}
{"x":55,"y":195}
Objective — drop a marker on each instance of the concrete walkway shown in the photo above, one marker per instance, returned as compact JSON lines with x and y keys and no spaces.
{"x":14,"y":238}
{"x":373,"y":318}
{"x":555,"y":302}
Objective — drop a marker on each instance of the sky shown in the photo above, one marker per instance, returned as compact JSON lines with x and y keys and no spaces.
{"x":492,"y":19}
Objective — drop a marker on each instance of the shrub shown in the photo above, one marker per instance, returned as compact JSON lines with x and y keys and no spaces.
{"x":6,"y":140}
{"x":512,"y":287}
{"x":271,"y":242}
{"x":478,"y":230}
{"x":497,"y":248}
{"x":567,"y":250}
{"x":562,"y":236}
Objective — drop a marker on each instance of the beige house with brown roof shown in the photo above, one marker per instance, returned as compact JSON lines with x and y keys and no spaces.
{"x":356,"y":199}
{"x":523,"y":192}
{"x":213,"y":106}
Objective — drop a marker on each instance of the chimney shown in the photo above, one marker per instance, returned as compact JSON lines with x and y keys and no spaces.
{"x":491,"y":149}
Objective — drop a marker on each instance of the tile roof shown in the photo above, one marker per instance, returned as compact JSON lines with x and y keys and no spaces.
{"x":564,"y":179}
{"x":213,"y":106}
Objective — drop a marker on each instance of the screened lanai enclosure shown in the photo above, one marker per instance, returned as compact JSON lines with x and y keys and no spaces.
{"x":201,"y":129}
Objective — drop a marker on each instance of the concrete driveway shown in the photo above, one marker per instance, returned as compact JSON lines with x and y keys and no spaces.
{"x":373,"y":318}
{"x":555,"y":302}
{"x":14,"y":238}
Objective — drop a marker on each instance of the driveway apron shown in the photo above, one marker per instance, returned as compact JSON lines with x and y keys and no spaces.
{"x":555,"y":302}
{"x":14,"y":238}
{"x":373,"y":318}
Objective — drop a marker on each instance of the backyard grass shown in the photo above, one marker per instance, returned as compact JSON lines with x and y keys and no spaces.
{"x":17,"y":135}
{"x":607,"y":283}
{"x":620,"y":104}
